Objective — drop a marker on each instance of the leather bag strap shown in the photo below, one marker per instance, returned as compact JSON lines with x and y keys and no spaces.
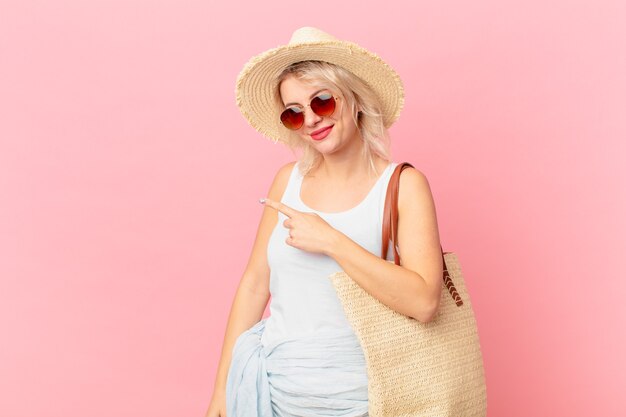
{"x":390,"y":229}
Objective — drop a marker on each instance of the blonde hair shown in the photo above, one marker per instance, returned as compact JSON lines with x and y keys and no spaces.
{"x":356,"y":93}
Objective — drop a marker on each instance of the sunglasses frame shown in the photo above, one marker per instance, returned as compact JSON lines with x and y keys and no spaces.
{"x":309,"y":105}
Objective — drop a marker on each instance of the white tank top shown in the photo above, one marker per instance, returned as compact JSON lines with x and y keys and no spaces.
{"x":304,"y":301}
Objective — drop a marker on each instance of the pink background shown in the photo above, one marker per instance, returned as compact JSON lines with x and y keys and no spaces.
{"x":129,"y":184}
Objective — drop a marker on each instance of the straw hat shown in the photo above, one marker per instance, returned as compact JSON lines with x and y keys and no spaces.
{"x":255,"y":87}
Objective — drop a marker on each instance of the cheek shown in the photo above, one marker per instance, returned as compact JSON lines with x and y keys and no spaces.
{"x":348,"y":127}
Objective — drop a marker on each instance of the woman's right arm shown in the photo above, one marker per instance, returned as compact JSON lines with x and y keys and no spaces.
{"x":252,"y":293}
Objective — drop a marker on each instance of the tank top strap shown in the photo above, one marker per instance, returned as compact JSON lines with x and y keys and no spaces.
{"x":290,"y":196}
{"x":381,"y":196}
{"x":386,"y":176}
{"x":382,"y":185}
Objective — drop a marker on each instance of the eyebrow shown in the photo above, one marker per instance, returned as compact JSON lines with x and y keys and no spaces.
{"x":312,"y":95}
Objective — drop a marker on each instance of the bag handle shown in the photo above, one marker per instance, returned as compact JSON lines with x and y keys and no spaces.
{"x":390,"y":227}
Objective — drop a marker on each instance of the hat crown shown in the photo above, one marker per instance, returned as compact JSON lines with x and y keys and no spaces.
{"x":310,"y":34}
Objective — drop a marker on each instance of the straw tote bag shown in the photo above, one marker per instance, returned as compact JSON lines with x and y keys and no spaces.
{"x":432,"y":369}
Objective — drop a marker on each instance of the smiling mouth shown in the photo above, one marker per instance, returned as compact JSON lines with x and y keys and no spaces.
{"x":322,"y":133}
{"x":317,"y":132}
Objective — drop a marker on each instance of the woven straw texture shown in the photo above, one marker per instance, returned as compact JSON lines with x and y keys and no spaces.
{"x":415,"y":369}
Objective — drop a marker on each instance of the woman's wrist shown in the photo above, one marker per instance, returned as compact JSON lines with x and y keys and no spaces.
{"x":219,"y":390}
{"x":334,"y":242}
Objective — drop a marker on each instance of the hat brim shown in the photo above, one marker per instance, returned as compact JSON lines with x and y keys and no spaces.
{"x":254,"y":88}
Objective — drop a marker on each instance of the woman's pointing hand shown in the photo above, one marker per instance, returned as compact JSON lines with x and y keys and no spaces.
{"x":307,"y":231}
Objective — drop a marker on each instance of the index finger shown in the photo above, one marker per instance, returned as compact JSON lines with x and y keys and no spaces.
{"x":283,"y":208}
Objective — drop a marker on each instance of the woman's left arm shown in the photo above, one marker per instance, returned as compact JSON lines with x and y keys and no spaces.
{"x":414,"y":287}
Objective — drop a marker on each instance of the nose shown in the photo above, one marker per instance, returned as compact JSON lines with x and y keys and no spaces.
{"x":311,"y":118}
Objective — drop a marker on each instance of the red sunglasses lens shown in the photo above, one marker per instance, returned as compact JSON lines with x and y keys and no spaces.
{"x":323,"y":105}
{"x":292,"y":118}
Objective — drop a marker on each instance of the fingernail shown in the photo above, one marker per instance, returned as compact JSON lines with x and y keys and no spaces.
{"x":262,"y":200}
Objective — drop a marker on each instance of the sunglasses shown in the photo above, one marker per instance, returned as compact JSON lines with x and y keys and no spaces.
{"x":322,"y":105}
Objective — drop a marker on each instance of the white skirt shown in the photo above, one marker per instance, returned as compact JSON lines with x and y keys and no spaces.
{"x":303,"y":377}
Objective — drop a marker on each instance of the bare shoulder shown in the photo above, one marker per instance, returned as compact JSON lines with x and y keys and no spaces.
{"x":416,"y":202}
{"x":281,"y":179}
{"x":415,"y":186}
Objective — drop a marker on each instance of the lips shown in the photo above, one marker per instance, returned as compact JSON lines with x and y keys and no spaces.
{"x":321,"y":133}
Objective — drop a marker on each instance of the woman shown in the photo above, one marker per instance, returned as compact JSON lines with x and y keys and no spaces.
{"x":334,"y":100}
